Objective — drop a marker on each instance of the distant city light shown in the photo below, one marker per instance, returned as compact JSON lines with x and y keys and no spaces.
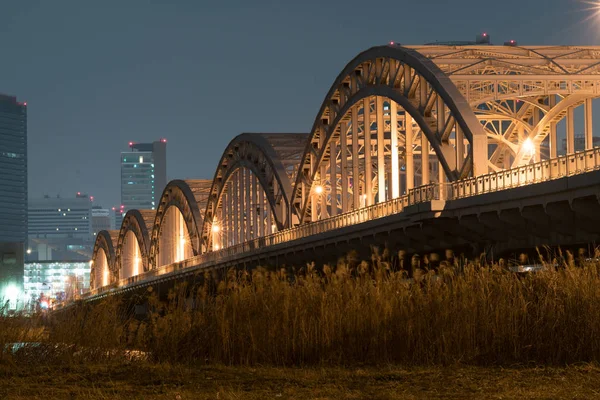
{"x":28,"y":251}
{"x":11,"y":295}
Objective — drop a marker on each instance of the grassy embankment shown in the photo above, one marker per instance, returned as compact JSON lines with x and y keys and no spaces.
{"x":342,"y":317}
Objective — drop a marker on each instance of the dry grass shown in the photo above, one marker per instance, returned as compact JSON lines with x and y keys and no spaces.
{"x":370,"y":314}
{"x":342,"y":316}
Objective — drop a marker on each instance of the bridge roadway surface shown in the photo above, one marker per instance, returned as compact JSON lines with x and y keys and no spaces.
{"x":555,"y":211}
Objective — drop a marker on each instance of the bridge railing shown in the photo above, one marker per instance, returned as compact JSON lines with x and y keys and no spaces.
{"x":414,"y":196}
{"x":568,"y":165}
{"x":379,"y":210}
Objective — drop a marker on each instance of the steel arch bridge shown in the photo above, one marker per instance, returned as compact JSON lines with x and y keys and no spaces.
{"x":399,"y":124}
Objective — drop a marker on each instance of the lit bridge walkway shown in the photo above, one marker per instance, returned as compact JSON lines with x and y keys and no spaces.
{"x":421,"y":148}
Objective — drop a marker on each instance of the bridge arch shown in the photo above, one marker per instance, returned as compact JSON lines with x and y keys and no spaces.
{"x":132,"y":257}
{"x":522,"y":93}
{"x":102,"y":271}
{"x":175,"y":232}
{"x":421,"y":100}
{"x":251,"y":188}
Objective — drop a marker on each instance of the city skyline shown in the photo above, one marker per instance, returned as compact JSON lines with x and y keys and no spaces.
{"x":169,"y":70}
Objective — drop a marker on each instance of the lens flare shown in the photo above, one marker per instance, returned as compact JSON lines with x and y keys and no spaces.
{"x":592,"y":7}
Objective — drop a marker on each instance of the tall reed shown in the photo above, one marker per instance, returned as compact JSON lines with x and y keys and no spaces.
{"x":359,"y":313}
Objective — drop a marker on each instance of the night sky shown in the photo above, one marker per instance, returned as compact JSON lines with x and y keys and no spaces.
{"x":96,"y":75}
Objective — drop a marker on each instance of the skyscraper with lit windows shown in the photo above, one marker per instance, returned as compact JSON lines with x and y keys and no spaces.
{"x":143,"y":175}
{"x":13,"y":193}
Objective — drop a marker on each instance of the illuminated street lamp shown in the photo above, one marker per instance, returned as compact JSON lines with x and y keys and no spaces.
{"x":529,"y":148}
{"x":319,"y":189}
{"x":215,"y":234}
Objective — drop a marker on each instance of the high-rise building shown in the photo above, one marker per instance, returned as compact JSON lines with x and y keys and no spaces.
{"x":60,"y":229}
{"x":101,"y":220}
{"x":143,"y":174}
{"x":13,"y":194}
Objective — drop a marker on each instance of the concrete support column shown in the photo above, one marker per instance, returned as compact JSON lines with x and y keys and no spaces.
{"x":552,"y":141}
{"x":323,"y":196}
{"x":314,"y":197}
{"x":248,"y":206}
{"x":589,"y":128}
{"x":344,"y":165}
{"x":256,"y":206}
{"x":242,"y":199}
{"x":410,"y":162}
{"x":237,"y":226}
{"x":536,"y":120}
{"x":424,"y":159}
{"x":269,"y":222}
{"x":263,"y":207}
{"x":394,"y":148}
{"x":333,"y":177}
{"x":570,"y":130}
{"x":223,"y":211}
{"x":355,"y":160}
{"x":368,"y":151}
{"x":230,"y":213}
{"x":460,"y":146}
{"x":381,"y":196}
{"x":441,"y":114}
